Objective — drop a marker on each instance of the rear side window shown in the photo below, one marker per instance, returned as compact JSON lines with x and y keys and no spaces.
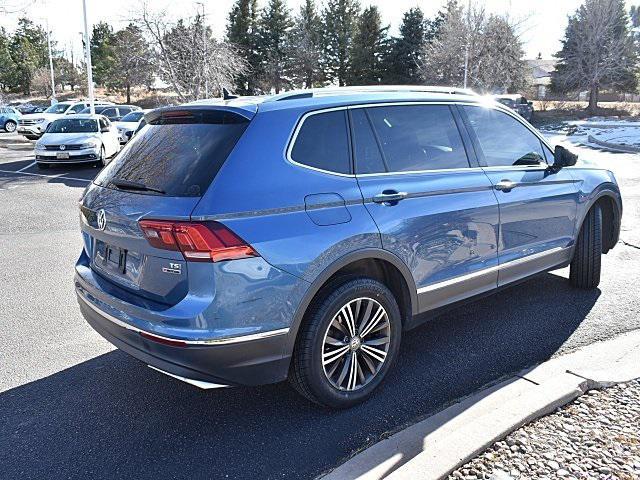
{"x":178,"y":152}
{"x":365,"y":146}
{"x":503,"y":139}
{"x":417,"y":137}
{"x":322,"y":142}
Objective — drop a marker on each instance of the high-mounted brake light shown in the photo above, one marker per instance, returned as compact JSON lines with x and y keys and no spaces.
{"x":198,"y":242}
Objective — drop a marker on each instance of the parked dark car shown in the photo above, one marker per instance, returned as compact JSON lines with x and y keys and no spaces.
{"x":27,"y":108}
{"x":113,"y":112}
{"x":301,"y":235}
{"x":518,"y":104}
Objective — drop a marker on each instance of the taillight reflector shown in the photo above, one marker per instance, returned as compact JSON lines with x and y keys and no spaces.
{"x":198,"y":242}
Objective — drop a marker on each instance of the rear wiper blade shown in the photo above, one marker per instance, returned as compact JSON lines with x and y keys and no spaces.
{"x":131,"y":185}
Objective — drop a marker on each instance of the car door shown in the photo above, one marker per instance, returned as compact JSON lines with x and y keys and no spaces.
{"x":538,"y":204}
{"x":434,"y":207}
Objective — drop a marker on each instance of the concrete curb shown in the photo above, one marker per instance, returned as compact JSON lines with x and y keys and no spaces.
{"x":434,"y":447}
{"x":613,"y":146}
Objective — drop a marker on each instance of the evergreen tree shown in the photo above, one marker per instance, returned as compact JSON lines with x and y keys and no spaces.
{"x":368,"y":49}
{"x":242,"y":33}
{"x":305,"y":50}
{"x":273,"y":31}
{"x":339,"y":26}
{"x":597,"y":51}
{"x":29,"y":52}
{"x":405,"y":54}
{"x":8,"y":70}
{"x":101,"y":43}
{"x":131,"y":61}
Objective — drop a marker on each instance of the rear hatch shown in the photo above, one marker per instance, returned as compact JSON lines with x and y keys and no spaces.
{"x":160,"y":175}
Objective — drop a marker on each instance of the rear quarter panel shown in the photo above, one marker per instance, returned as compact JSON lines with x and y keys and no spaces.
{"x":261,"y":197}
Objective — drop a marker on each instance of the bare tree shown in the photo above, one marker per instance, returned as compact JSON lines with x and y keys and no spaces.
{"x":598,"y":51}
{"x":187,"y":57}
{"x":491,"y":43}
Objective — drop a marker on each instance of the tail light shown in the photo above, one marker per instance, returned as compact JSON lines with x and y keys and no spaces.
{"x":198,"y":242}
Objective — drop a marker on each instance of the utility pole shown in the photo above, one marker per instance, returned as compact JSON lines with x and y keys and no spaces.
{"x":87,"y":52}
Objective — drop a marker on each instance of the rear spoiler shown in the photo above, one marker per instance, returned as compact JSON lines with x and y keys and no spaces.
{"x":247,"y":112}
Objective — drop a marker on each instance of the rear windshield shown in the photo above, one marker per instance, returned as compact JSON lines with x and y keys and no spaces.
{"x":178,"y":153}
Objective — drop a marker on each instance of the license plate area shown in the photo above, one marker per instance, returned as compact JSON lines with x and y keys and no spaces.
{"x":62,"y":155}
{"x":110,"y":258}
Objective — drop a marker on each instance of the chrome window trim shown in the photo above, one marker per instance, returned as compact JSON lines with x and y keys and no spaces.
{"x":485,"y":271}
{"x":498,"y":107}
{"x":212,"y":341}
{"x":294,"y":136}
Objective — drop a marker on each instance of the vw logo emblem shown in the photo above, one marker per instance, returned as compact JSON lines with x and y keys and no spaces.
{"x":102,"y":220}
{"x":62,"y":147}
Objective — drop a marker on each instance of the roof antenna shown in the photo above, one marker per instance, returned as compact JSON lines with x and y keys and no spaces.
{"x":226,"y":95}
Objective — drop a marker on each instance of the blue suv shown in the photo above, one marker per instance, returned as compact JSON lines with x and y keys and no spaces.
{"x":244,"y":241}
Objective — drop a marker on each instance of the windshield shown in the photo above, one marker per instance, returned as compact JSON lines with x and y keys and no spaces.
{"x":132,"y":117}
{"x":57,"y":108}
{"x":179,"y":156}
{"x":75,"y":125}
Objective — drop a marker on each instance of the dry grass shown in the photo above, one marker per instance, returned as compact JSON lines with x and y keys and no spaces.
{"x":554,"y":111}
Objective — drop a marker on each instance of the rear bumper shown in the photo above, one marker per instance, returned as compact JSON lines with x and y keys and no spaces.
{"x":244,"y":360}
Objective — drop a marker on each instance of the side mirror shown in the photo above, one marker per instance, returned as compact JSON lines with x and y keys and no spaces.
{"x":563,"y":158}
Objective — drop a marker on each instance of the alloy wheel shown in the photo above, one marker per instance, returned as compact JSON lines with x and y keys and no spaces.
{"x":356,"y":344}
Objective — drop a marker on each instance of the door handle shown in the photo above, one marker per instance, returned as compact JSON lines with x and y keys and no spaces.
{"x":505,"y":185}
{"x":390,"y":197}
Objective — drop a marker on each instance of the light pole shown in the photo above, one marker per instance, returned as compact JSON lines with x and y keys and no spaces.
{"x":466,"y":47}
{"x":204,"y":52}
{"x":53,"y":83}
{"x":87,"y":53}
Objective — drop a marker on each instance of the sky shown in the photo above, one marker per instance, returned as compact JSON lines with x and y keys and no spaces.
{"x":541,"y":22}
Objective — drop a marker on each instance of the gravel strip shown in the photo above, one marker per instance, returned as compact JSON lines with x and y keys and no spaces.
{"x":595,"y":437}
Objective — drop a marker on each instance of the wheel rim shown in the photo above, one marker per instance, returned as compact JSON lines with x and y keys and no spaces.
{"x":356,"y":343}
{"x":10,"y":127}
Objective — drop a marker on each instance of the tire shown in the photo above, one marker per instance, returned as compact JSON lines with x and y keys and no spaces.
{"x":585,"y":266}
{"x":317,"y":341}
{"x":102,"y":160}
{"x":43,"y":166}
{"x":10,"y":126}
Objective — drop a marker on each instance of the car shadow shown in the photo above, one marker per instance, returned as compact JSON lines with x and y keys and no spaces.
{"x":112,"y":417}
{"x":73,"y":175}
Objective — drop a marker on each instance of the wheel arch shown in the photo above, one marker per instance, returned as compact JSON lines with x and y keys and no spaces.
{"x":352,"y":264}
{"x":607,"y":197}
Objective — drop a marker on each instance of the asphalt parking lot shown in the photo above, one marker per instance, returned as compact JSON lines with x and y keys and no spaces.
{"x":73,"y":407}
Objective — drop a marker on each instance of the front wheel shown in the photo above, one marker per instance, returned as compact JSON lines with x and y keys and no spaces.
{"x":585,"y":266}
{"x":10,"y":126}
{"x":102,"y":159}
{"x":347,"y":344}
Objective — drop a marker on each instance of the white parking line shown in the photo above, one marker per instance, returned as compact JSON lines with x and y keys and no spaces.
{"x":24,"y":168}
{"x":57,"y":177}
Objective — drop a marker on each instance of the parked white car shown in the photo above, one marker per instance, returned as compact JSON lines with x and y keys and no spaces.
{"x":128,"y":124}
{"x":77,"y":139}
{"x":33,"y":125}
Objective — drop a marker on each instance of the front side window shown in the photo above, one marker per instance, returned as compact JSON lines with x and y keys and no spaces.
{"x":110,"y":112}
{"x":77,"y":108}
{"x":415,"y":138}
{"x":504,"y":140}
{"x":57,"y":108}
{"x":322,"y":142}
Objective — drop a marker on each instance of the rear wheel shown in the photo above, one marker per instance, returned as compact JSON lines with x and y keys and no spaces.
{"x":347,"y":344}
{"x":10,"y":126}
{"x":585,"y":266}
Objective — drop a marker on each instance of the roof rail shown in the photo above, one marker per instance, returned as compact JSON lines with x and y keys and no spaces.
{"x":327,"y":91}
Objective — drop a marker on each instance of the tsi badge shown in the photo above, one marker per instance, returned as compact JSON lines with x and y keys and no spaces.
{"x":173,"y":268}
